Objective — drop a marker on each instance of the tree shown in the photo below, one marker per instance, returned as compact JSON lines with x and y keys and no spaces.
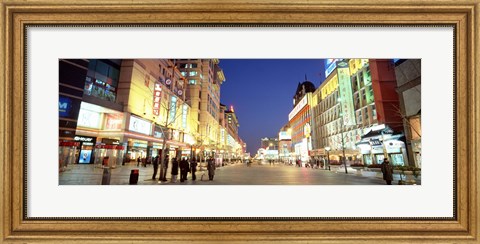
{"x":344,"y":129}
{"x":171,"y":118}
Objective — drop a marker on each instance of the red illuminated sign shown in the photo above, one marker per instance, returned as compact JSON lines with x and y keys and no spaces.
{"x":156,"y":99}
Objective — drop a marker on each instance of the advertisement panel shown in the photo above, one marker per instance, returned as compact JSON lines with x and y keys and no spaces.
{"x":85,"y":156}
{"x":87,"y":118}
{"x":330,"y":65}
{"x":184,"y":116}
{"x":284,"y":135}
{"x":140,"y":125}
{"x":297,"y":108}
{"x":113,"y":121}
{"x":173,"y":109}
{"x":64,"y":106}
{"x":345,"y":92}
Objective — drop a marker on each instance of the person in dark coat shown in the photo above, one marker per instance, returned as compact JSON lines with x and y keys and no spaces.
{"x":165,"y":168}
{"x":211,"y":168}
{"x":387,"y":171}
{"x":174,"y":170}
{"x":138,"y":161}
{"x":155,"y":167}
{"x":183,"y":169}
{"x":193,"y":168}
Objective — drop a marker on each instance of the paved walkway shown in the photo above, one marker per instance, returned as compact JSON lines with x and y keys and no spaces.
{"x":234,"y":174}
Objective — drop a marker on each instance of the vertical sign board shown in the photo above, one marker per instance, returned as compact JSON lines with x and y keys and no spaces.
{"x":184,"y":116}
{"x":173,"y":109}
{"x":346,"y":96}
{"x":156,"y":98}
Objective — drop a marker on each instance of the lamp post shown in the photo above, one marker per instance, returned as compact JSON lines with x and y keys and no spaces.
{"x":343,"y":141}
{"x":328,"y":156}
{"x":343,"y":151}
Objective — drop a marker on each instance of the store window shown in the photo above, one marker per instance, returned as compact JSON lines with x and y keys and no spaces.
{"x":360,"y":78}
{"x":374,"y":112}
{"x":101,"y":80}
{"x":397,"y":159}
{"x":368,"y":77}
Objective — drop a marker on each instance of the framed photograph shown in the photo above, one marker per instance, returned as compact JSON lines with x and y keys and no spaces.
{"x":99,"y":97}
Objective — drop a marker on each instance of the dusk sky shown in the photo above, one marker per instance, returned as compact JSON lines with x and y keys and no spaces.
{"x":261,"y":92}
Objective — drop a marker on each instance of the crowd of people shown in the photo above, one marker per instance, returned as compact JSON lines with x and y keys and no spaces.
{"x":184,"y":166}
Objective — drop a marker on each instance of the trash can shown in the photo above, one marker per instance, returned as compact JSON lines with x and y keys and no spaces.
{"x":133,"y":176}
{"x":106,"y":176}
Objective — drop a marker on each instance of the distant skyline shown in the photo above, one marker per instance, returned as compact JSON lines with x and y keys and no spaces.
{"x":261,"y":92}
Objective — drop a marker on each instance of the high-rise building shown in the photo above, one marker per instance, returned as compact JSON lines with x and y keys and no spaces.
{"x":356,"y":113}
{"x":129,"y":109}
{"x":204,"y":78}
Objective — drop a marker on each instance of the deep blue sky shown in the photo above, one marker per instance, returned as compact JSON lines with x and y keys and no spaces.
{"x":261,"y":91}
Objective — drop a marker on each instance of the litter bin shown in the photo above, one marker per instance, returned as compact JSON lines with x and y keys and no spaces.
{"x":106,"y":176}
{"x":133,"y":176}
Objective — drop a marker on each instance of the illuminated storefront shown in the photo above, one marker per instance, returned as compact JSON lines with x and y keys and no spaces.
{"x":99,"y":131}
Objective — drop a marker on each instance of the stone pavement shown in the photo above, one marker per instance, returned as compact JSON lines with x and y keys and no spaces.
{"x":233,"y":174}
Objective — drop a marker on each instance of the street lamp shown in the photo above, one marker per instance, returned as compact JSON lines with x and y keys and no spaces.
{"x":328,"y":156}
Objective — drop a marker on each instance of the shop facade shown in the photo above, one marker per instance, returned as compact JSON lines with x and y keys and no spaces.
{"x":381,"y":142}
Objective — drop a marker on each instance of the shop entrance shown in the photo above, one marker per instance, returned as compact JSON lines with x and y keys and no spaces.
{"x":87,"y":144}
{"x":66,"y":154}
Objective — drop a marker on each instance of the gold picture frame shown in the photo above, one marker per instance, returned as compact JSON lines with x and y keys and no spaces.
{"x":462,"y":14}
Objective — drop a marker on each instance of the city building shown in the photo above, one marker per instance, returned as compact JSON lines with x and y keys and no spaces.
{"x":408,"y":75}
{"x":356,"y":113}
{"x":285,"y":143}
{"x":234,"y":144}
{"x":130,"y":109}
{"x":270,"y":146}
{"x":204,"y":78}
{"x":152,"y":92}
{"x":300,"y":121}
{"x":113,"y":111}
{"x":88,"y":112}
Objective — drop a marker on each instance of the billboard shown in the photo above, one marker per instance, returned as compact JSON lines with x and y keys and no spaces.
{"x":140,"y":125}
{"x":284,"y":135}
{"x":87,"y":118}
{"x":297,"y":108}
{"x":330,"y":65}
{"x":345,"y":92}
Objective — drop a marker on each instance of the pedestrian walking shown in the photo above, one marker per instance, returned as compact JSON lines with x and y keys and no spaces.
{"x":174,"y":171}
{"x":155,"y":167}
{"x":387,"y":171}
{"x":184,"y":167}
{"x":211,"y":168}
{"x":138,"y":161}
{"x":193,"y":168}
